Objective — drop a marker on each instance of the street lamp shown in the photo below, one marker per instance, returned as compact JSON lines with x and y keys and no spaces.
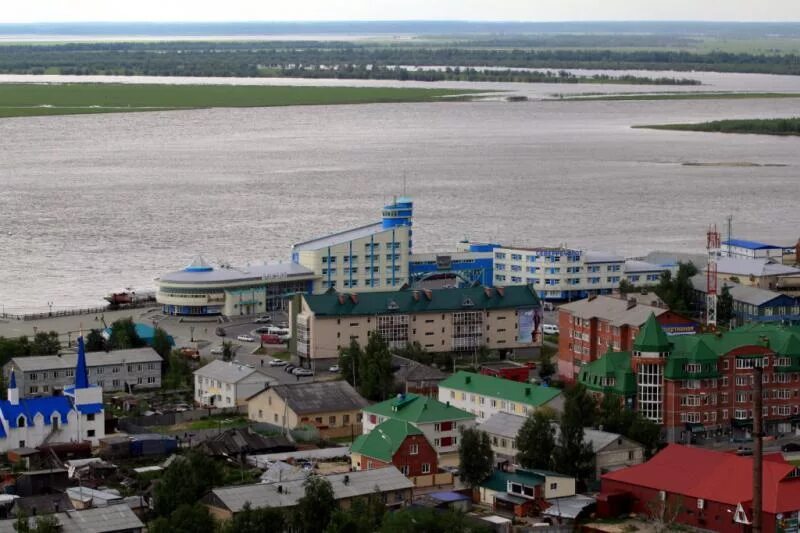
{"x":191,"y":333}
{"x":50,"y":305}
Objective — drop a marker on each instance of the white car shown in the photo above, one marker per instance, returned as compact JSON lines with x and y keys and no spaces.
{"x":302,"y":372}
{"x":245,"y":338}
{"x":334,"y":369}
{"x":217,"y":351}
{"x":277,"y":362}
{"x":263,"y":320}
{"x":550,"y":329}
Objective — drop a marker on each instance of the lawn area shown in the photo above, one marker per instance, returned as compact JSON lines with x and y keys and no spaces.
{"x":223,"y":422}
{"x":34,"y":99}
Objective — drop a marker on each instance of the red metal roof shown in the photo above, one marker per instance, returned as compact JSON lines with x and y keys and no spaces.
{"x":714,"y":476}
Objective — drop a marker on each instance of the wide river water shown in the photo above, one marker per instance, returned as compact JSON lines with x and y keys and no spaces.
{"x":94,"y":203}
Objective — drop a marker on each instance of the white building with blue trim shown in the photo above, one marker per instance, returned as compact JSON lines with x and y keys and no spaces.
{"x":75,"y":416}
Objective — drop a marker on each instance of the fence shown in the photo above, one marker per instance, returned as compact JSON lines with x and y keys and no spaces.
{"x":74,"y":312}
{"x":170,"y":419}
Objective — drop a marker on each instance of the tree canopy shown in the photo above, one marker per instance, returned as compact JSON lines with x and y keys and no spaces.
{"x":314,"y":510}
{"x":123,"y":335}
{"x":476,"y":456}
{"x":677,"y":291}
{"x":185,"y":481}
{"x":536,"y":440}
{"x":369,"y":370}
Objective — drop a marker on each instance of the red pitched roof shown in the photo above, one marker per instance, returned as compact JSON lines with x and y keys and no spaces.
{"x":714,"y":476}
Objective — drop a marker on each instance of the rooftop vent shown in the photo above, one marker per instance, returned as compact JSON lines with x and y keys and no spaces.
{"x":488,"y":291}
{"x":354,"y":298}
{"x":428,"y":294}
{"x":527,"y":391}
{"x":468,"y":379}
{"x":467,"y":302}
{"x":346,"y":479}
{"x":631,"y":303}
{"x":501,"y":291}
{"x":342,"y":299}
{"x":415,"y":295}
{"x":392,"y":306}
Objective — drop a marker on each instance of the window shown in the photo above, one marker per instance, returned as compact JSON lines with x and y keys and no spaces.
{"x":426,"y":468}
{"x":554,"y":486}
{"x":332,"y":420}
{"x":90,"y":433}
{"x":404,"y":470}
{"x":21,"y":421}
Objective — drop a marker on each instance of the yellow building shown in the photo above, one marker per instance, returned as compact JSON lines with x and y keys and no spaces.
{"x":367,"y":258}
{"x":333,"y":407}
{"x":440,"y":320}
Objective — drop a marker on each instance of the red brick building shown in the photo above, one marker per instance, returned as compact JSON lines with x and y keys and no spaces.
{"x":395,"y":442}
{"x":704,"y":489}
{"x":591,"y":327}
{"x":702,"y":385}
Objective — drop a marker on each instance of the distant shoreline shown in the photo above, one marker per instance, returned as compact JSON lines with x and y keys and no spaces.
{"x":773,"y":126}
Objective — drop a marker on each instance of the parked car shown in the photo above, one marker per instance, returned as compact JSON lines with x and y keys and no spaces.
{"x":284,"y":338}
{"x":270,"y":339}
{"x":275,"y":330}
{"x":221,"y":332}
{"x":277,"y":362}
{"x":550,"y":329}
{"x":289,"y":368}
{"x":218,"y":350}
{"x":791,"y":447}
{"x":262,"y":329}
{"x":191,"y":353}
{"x":284,"y":325}
{"x":266,"y":319}
{"x":334,"y":368}
{"x":302,"y":372}
{"x":245,"y":338}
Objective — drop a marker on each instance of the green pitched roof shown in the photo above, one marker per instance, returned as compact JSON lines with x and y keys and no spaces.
{"x":615,"y":365}
{"x":384,"y":440}
{"x":505,"y":389}
{"x":651,"y":338}
{"x":418,"y":409}
{"x":498,"y":481}
{"x":422,"y":301}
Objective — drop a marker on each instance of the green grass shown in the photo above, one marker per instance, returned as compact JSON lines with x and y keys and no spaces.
{"x":218,"y":422}
{"x":679,"y":96}
{"x":32,"y":99}
{"x":771,"y":126}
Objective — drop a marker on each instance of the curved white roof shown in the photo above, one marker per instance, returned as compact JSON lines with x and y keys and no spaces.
{"x":229,"y":274}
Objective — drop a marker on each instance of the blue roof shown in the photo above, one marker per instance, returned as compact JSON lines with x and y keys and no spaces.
{"x":81,"y":371}
{"x":146,"y":333}
{"x":13,"y":384}
{"x":30,"y":407}
{"x":90,"y":408}
{"x":449,"y":496}
{"x":752,"y":245}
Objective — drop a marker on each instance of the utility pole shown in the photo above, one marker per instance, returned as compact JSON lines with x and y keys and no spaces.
{"x":758,"y":460}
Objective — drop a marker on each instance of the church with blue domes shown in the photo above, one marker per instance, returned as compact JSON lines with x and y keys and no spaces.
{"x":75,"y":416}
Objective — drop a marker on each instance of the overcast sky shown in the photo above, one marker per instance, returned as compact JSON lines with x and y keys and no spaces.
{"x":314,"y":10}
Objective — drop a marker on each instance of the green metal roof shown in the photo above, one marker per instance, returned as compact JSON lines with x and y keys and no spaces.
{"x":384,"y":440}
{"x":418,"y":409}
{"x":615,"y":365}
{"x":505,"y":389}
{"x":651,"y":338}
{"x":498,"y":481}
{"x":422,"y":301}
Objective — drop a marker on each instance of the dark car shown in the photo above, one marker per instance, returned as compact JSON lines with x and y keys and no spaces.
{"x":791,"y":447}
{"x":220,"y":332}
{"x":289,"y":368}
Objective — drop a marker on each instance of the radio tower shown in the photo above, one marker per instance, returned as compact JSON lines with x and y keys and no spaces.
{"x":712,"y":244}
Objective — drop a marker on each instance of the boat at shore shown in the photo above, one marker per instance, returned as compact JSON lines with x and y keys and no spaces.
{"x":129,"y":296}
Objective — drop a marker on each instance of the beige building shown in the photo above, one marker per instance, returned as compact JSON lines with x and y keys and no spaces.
{"x":441,"y":320}
{"x":333,"y":407}
{"x":761,"y":273}
{"x":227,"y":384}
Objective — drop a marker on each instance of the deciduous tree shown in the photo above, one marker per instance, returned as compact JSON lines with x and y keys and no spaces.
{"x":476,"y":456}
{"x":314,"y":510}
{"x":536,"y":441}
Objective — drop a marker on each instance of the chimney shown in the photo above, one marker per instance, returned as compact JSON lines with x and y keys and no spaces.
{"x":631,"y":303}
{"x":280,"y":489}
{"x":415,"y":295}
{"x":501,"y":291}
{"x":354,"y":298}
{"x":341,"y":299}
{"x":468,"y":379}
{"x":428,"y":294}
{"x":488,"y":291}
{"x":347,"y":479}
{"x":527,"y":391}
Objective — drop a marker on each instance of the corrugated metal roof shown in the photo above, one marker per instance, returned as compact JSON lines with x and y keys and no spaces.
{"x":739,"y":293}
{"x":96,"y":520}
{"x":633,"y":266}
{"x":594,"y":256}
{"x":505,"y":389}
{"x":418,"y":409}
{"x":615,"y":310}
{"x":320,"y":397}
{"x":740,"y":266}
{"x":93,"y":359}
{"x":229,"y":372}
{"x":503,"y":424}
{"x":751,"y":245}
{"x":338,"y":238}
{"x":359,"y":483}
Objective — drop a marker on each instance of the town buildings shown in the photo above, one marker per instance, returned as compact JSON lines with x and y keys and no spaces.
{"x":367,"y":258}
{"x":76,"y":415}
{"x":417,"y":378}
{"x":333,"y":407}
{"x":593,"y":326}
{"x":751,"y":304}
{"x":705,"y":489}
{"x":118,"y":518}
{"x":484,"y":396}
{"x":524,"y":492}
{"x":440,"y":422}
{"x":202,"y":289}
{"x":612,"y":451}
{"x":399,"y":443}
{"x":701,"y":386}
{"x":507,"y":370}
{"x":394,"y":488}
{"x":440,"y":320}
{"x":761,"y":273}
{"x":227,"y":384}
{"x":118,"y":370}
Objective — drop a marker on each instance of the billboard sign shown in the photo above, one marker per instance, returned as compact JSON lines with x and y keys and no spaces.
{"x":529,"y":322}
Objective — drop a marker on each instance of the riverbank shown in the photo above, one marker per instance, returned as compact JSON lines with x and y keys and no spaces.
{"x":673,"y":96}
{"x":772,"y":126}
{"x":33,"y":99}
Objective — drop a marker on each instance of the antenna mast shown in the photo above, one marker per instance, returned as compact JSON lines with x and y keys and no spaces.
{"x":712,"y":245}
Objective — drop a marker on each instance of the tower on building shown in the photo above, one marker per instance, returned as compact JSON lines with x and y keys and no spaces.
{"x":651,"y":348}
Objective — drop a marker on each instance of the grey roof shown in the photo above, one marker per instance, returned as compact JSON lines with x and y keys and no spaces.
{"x":93,"y":359}
{"x":229,"y":372}
{"x":97,"y":497}
{"x":741,"y":266}
{"x":280,"y":472}
{"x":503,"y":424}
{"x":568,"y":507}
{"x":406,"y":370}
{"x":360,"y":483}
{"x":264,"y":460}
{"x":615,"y":310}
{"x":338,"y":238}
{"x":320,"y":397}
{"x":594,"y":256}
{"x":739,"y":293}
{"x":633,"y":266}
{"x":96,"y":520}
{"x":455,"y":256}
{"x":671,"y":259}
{"x":265,"y":272}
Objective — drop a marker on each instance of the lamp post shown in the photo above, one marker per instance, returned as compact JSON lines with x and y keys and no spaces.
{"x":191,"y":333}
{"x":50,"y":305}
